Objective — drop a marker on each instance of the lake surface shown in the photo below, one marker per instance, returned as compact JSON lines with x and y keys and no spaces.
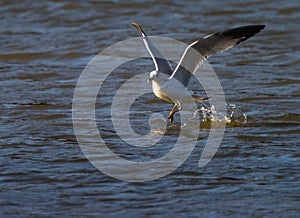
{"x":45,"y":45}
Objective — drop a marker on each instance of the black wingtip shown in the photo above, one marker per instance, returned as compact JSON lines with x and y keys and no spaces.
{"x":139,"y":28}
{"x":258,"y":27}
{"x":242,"y":33}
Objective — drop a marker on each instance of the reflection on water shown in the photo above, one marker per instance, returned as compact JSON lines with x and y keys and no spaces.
{"x":44,"y":48}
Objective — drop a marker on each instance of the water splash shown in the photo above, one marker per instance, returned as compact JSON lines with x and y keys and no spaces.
{"x":233,"y":115}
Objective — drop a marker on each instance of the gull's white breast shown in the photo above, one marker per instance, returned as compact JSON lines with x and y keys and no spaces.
{"x":170,"y":90}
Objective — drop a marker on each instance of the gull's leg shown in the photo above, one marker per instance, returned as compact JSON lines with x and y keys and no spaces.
{"x":172,"y":112}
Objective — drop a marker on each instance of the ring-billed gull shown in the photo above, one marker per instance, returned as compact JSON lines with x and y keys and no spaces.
{"x":171,"y":85}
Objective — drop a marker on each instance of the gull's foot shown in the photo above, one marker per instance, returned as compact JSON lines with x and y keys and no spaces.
{"x":171,"y":117}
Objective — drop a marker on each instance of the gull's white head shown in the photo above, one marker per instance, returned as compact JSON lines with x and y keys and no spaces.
{"x":153,"y":76}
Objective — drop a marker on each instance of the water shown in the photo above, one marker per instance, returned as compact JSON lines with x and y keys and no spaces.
{"x":46,"y":45}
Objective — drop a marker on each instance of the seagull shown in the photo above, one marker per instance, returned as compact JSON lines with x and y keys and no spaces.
{"x":171,"y":85}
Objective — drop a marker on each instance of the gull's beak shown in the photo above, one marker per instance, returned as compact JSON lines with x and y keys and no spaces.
{"x":150,"y":79}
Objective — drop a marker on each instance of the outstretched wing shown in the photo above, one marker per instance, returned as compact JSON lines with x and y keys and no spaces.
{"x":209,"y":45}
{"x":161,"y":64}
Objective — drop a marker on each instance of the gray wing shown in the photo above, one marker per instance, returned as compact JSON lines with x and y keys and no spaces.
{"x":209,"y":45}
{"x":160,"y":63}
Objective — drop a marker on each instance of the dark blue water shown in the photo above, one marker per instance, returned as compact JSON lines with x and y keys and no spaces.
{"x":44,"y":48}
